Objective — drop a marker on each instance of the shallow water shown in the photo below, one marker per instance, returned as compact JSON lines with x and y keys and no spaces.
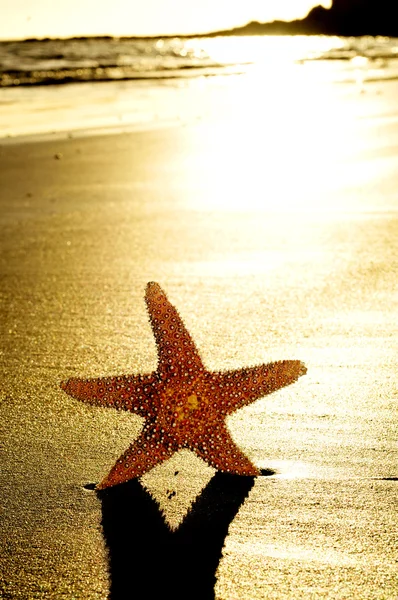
{"x":39,"y":62}
{"x":125,"y":83}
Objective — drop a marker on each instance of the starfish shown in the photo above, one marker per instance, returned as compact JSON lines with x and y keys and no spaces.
{"x":184,"y":404}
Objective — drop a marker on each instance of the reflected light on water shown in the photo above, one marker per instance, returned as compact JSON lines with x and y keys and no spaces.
{"x":266,"y":50}
{"x":282,"y":137}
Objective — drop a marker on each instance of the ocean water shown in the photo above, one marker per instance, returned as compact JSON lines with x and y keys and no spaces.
{"x":48,"y":62}
{"x":169,"y":79}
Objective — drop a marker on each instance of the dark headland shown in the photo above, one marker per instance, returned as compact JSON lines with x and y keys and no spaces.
{"x":344,"y":18}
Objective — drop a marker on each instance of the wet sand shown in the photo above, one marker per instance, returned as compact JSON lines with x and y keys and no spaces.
{"x":266,"y":257}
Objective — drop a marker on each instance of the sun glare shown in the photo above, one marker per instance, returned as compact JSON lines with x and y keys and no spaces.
{"x":279,"y":128}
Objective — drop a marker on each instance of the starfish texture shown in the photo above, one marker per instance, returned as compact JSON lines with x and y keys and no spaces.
{"x":184,"y":405}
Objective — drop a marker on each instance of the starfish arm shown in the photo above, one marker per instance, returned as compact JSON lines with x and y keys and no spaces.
{"x":129,"y":392}
{"x":219,"y":450}
{"x":177,"y":353}
{"x":149,"y":449}
{"x":235,"y":389}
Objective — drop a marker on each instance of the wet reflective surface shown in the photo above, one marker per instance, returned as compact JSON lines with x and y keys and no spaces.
{"x":255,"y":281}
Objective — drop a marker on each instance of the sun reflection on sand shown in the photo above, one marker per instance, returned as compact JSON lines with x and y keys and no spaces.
{"x":292,"y":469}
{"x":281,"y":146}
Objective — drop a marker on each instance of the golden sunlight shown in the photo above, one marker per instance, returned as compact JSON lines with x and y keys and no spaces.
{"x":281,"y":130}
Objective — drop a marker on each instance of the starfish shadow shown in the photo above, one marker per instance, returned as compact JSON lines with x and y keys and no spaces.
{"x":145,"y":554}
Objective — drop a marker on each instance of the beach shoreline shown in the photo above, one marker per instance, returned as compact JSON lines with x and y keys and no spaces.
{"x":275,"y":242}
{"x":82,"y":132}
{"x":181,"y":82}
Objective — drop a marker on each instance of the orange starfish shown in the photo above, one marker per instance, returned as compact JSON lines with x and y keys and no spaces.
{"x":184,"y":405}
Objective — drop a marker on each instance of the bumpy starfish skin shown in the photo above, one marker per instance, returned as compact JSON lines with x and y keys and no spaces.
{"x":184,"y":405}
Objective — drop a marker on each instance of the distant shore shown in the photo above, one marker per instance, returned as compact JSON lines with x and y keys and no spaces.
{"x":345,"y":18}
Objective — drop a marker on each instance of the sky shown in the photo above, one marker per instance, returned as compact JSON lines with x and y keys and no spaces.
{"x":64,"y":18}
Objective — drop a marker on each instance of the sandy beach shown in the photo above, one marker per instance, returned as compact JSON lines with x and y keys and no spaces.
{"x":276,"y":240}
